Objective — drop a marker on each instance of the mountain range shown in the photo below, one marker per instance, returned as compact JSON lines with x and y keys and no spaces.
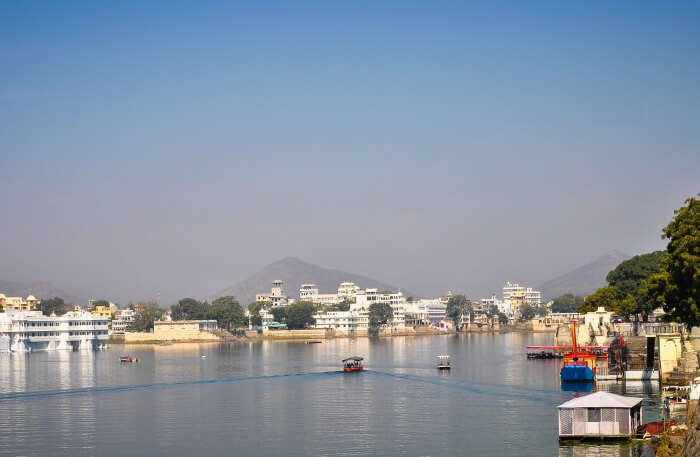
{"x":295,"y":272}
{"x":39,"y":289}
{"x":585,"y":279}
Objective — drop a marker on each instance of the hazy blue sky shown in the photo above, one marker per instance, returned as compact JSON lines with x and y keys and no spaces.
{"x":177,"y":147}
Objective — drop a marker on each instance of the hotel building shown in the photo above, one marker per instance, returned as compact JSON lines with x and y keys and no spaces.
{"x":25,"y":331}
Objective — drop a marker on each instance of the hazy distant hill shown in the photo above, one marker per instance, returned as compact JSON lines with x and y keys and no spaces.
{"x":295,"y":272}
{"x":585,"y":279}
{"x":38,"y":289}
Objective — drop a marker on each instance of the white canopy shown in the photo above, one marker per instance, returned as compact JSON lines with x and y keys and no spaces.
{"x":602,"y":400}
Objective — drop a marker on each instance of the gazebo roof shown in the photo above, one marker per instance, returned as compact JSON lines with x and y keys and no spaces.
{"x":602,"y":400}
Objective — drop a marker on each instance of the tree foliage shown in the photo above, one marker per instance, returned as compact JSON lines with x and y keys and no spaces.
{"x":605,"y":297}
{"x":227,"y":312}
{"x":627,"y":277}
{"x":677,"y":284}
{"x":53,"y":305}
{"x":254,"y":311}
{"x":567,"y":303}
{"x":380,"y":314}
{"x":280,"y":314}
{"x":300,"y":315}
{"x":457,"y":306}
{"x":143,"y":321}
{"x":188,"y":309}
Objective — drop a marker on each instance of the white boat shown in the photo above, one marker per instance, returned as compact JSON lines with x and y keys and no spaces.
{"x":443,"y":362}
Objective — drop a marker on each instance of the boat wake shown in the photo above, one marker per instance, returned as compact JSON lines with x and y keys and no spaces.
{"x":157,"y":385}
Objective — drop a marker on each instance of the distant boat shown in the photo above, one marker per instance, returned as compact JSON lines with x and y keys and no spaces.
{"x":126,"y":358}
{"x":313,"y":342}
{"x":204,"y":357}
{"x":443,"y":362}
{"x":352,"y":364}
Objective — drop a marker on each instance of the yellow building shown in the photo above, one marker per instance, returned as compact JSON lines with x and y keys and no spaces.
{"x":18,"y":303}
{"x":105,"y":311}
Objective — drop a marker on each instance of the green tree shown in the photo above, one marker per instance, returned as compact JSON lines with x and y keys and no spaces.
{"x":227,"y":312}
{"x":300,"y":315}
{"x":527,"y":311}
{"x":567,"y":303}
{"x":457,"y":306}
{"x":143,"y":321}
{"x":627,"y":277}
{"x":380,"y":314}
{"x":605,"y":296}
{"x":53,"y":305}
{"x":677,"y":284}
{"x":502,"y":318}
{"x":280,"y":314}
{"x":188,"y":309}
{"x":254,"y":311}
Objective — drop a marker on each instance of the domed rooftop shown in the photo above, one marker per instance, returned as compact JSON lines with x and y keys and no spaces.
{"x":31,"y":298}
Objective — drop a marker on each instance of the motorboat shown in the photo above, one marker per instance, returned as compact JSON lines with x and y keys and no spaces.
{"x":578,"y":365}
{"x":352,"y":364}
{"x":443,"y":362}
{"x":128,"y":359}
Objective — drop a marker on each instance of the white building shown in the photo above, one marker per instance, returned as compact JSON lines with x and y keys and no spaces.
{"x":122,"y":320}
{"x":515,"y":293}
{"x":502,"y":305}
{"x":276,"y":297}
{"x":343,"y":320}
{"x":425,"y":311}
{"x":23,"y":331}
{"x":347,"y":290}
{"x":310,"y":292}
{"x":364,"y":298}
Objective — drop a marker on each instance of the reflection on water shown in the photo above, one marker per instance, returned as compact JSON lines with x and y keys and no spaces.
{"x":290,"y":398}
{"x":606,"y":450}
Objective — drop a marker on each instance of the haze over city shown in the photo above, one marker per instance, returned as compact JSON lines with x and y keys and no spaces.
{"x":152,"y":151}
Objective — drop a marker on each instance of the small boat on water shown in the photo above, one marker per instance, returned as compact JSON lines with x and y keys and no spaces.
{"x":443,"y":362}
{"x":352,"y":364}
{"x":126,"y":358}
{"x":313,"y":341}
{"x":578,"y":365}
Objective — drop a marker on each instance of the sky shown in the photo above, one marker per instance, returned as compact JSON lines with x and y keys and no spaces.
{"x":169,"y":149}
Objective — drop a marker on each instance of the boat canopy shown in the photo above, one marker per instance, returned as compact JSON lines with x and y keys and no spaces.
{"x":443,"y":357}
{"x":353,"y":358}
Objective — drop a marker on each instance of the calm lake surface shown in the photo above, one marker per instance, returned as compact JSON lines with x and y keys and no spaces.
{"x":289,"y":398}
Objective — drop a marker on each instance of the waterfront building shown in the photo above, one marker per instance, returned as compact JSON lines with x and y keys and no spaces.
{"x":310,"y":293}
{"x":364,"y":298}
{"x":186,"y":330}
{"x":502,"y":305}
{"x":521,"y":294}
{"x":347,"y":290}
{"x":343,"y":320}
{"x":276,"y":296}
{"x":600,"y":415}
{"x":266,"y":317}
{"x":18,"y":303}
{"x":23,"y":331}
{"x":425,"y":311}
{"x":123,"y":318}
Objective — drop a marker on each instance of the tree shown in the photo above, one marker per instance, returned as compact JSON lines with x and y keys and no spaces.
{"x":502,"y":318}
{"x":188,"y":309}
{"x":300,"y":315}
{"x":280,"y":314}
{"x":380,"y":314}
{"x":53,"y":305}
{"x":629,"y":278}
{"x":342,"y":306}
{"x":605,"y":297}
{"x":567,"y":303}
{"x":143,"y":321}
{"x":457,"y":306}
{"x":677,"y":284}
{"x":527,"y":311}
{"x":227,"y":312}
{"x":254,"y":311}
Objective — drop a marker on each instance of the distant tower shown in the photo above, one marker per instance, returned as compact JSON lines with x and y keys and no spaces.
{"x":276,"y":290}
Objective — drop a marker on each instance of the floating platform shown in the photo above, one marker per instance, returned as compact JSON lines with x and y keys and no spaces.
{"x":642,"y":375}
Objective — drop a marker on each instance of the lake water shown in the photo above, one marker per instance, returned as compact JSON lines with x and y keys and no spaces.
{"x":289,"y":398}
